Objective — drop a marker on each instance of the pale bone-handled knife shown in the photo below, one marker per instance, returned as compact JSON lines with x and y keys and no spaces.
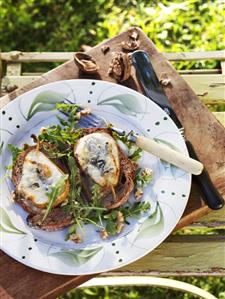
{"x":149,"y":145}
{"x":154,"y":91}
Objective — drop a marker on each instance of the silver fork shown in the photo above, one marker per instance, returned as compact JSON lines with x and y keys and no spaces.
{"x":161,"y":151}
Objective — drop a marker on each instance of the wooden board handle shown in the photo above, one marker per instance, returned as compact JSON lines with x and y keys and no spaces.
{"x":169,"y":155}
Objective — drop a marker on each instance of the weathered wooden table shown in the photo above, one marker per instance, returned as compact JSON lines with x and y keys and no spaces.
{"x":185,"y":254}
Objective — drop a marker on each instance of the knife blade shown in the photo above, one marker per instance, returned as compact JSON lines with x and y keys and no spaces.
{"x":153,"y":90}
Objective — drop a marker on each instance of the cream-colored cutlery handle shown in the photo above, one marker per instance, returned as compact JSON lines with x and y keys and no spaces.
{"x":169,"y":155}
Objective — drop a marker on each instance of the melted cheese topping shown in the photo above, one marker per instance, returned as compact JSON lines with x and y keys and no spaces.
{"x":98,"y":156}
{"x":39,"y":174}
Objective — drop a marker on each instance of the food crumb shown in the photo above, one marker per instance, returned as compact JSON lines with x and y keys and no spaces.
{"x":76,"y":238}
{"x":104,"y":235}
{"x":105,"y":49}
{"x":119,"y":222}
{"x":138,"y":193}
{"x":164,"y":79}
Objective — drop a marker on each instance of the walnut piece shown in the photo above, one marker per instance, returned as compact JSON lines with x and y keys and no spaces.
{"x":119,"y":222}
{"x":164,"y":80}
{"x":85,"y":62}
{"x":138,"y":193}
{"x":133,"y":33}
{"x":76,"y":238}
{"x":105,"y":49}
{"x":104,"y":235}
{"x":83,"y":112}
{"x":120,"y":66}
{"x":130,"y":45}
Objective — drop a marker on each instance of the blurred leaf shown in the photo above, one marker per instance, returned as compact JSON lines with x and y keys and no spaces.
{"x":6,"y":224}
{"x":76,"y":256}
{"x":44,"y":101}
{"x":125,"y":103}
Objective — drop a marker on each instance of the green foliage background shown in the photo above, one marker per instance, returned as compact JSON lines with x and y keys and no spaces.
{"x":64,"y":25}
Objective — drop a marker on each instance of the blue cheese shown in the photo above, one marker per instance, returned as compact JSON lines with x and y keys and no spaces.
{"x":39,"y":174}
{"x":98,"y":156}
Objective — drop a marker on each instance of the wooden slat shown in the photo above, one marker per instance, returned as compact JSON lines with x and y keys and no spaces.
{"x":221,"y":117}
{"x":217,"y":55}
{"x":183,"y":255}
{"x":205,"y":86}
{"x":215,"y":219}
{"x":223,"y":67}
{"x":13,"y":69}
{"x":185,"y":72}
{"x":37,"y":56}
{"x":64,"y":56}
{"x":200,"y":71}
{"x":19,"y":81}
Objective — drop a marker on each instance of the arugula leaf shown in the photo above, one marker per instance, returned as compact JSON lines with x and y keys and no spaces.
{"x":54,"y":194}
{"x":134,"y":152}
{"x":136,"y":209}
{"x":75,"y":188}
{"x":136,"y":155}
{"x":96,"y":195}
{"x":142,"y":178}
{"x":56,"y":134}
{"x":111,"y":223}
{"x":71,"y":110}
{"x":15,"y":151}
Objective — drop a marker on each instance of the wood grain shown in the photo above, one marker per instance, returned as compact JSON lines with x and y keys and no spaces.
{"x":207,"y":87}
{"x":64,"y":56}
{"x":19,"y":281}
{"x":177,"y":255}
{"x":202,"y":129}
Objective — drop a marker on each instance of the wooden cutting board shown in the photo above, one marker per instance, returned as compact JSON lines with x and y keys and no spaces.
{"x":205,"y":133}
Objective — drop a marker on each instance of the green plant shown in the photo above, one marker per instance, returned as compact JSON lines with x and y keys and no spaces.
{"x":65,"y":25}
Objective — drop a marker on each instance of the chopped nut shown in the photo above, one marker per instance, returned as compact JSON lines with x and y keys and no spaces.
{"x":138,"y":193}
{"x":164,"y":79}
{"x":85,"y":62}
{"x":119,"y":222}
{"x":105,"y":49}
{"x":75,"y":238}
{"x":146,"y":171}
{"x":42,"y":130}
{"x":120,"y":66}
{"x":12,"y":196}
{"x":78,"y":115}
{"x":133,"y":33}
{"x":85,"y":111}
{"x":130,"y":45}
{"x":104,"y":235}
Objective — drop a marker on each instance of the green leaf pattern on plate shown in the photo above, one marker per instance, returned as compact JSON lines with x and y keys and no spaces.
{"x":6,"y":224}
{"x":126,"y":103}
{"x":44,"y":101}
{"x":152,"y":226}
{"x":1,"y":147}
{"x":167,"y":166}
{"x":76,"y":257}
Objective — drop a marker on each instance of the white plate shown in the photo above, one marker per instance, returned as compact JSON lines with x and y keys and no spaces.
{"x":168,"y":193}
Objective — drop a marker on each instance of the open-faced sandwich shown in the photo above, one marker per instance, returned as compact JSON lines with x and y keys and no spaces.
{"x":73,"y":176}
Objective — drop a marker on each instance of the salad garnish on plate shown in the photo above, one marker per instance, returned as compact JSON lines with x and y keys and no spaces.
{"x":75,"y":176}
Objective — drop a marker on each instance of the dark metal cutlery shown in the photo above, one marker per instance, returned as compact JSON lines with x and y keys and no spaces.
{"x":154,"y":91}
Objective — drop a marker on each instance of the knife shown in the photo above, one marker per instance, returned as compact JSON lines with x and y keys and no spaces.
{"x":154,"y":91}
